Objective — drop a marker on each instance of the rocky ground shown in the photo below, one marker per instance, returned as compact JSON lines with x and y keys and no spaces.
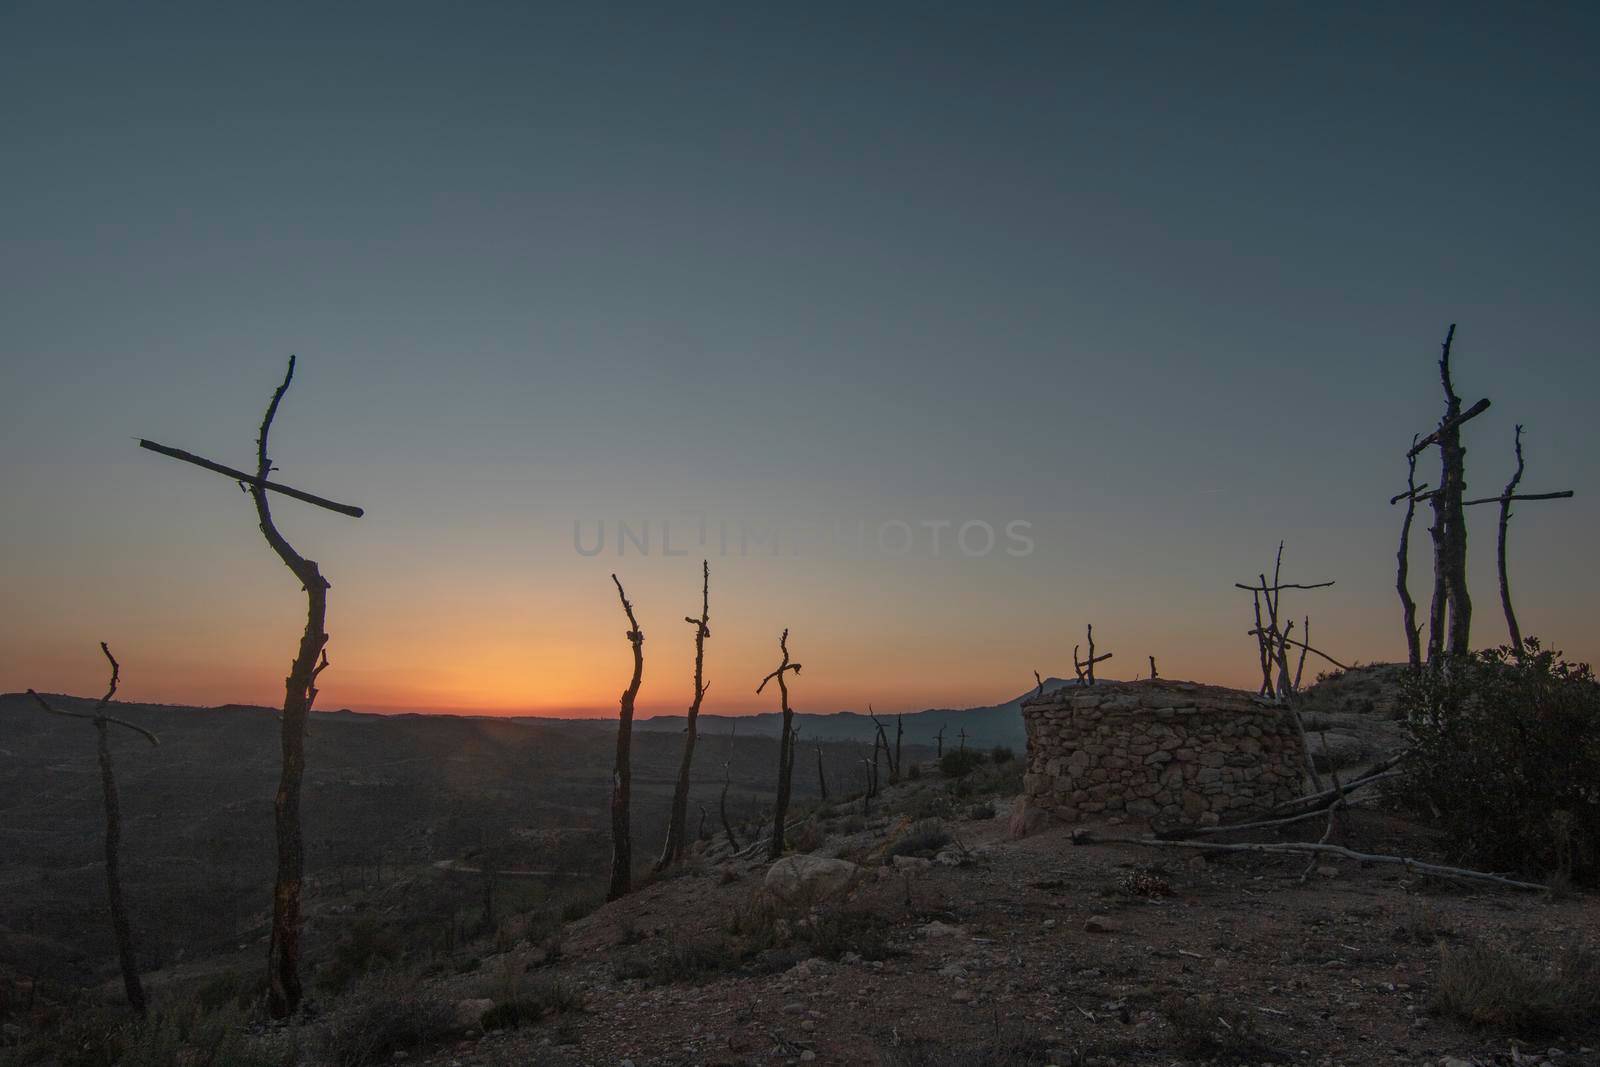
{"x":1000,"y":951}
{"x":923,"y":933}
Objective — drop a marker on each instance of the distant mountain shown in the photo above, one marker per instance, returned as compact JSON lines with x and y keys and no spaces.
{"x":994,"y":724}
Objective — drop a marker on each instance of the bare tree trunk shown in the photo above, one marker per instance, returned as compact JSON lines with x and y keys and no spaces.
{"x":1500,"y":552}
{"x":1452,"y":608}
{"x":120,"y":929}
{"x":1408,"y":606}
{"x":622,"y":772}
{"x":899,"y":736}
{"x":673,"y":851}
{"x":822,"y":779}
{"x":119,"y":912}
{"x":727,"y":780}
{"x":882,"y":741}
{"x":785,"y":746}
{"x":283,"y":953}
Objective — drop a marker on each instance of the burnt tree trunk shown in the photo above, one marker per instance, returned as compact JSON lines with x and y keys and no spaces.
{"x":785,"y":747}
{"x":727,"y":780}
{"x":673,"y":851}
{"x":1451,"y":614}
{"x":822,"y":779}
{"x":119,"y":912}
{"x":622,"y":771}
{"x":283,"y":952}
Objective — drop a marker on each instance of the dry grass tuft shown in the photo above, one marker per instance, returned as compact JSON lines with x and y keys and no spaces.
{"x":1491,"y":987}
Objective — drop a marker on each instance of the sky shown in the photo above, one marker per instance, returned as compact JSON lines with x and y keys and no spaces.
{"x":954,"y":329}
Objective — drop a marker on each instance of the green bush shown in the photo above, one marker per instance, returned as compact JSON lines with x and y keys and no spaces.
{"x":1506,"y":757}
{"x":959,"y":763}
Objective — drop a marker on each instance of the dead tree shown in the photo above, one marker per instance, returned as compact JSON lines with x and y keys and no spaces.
{"x":1085,"y":668}
{"x":1039,"y":682}
{"x":1504,"y":500}
{"x":1408,"y":606}
{"x":899,"y":736}
{"x":1273,"y":642}
{"x":1153,"y":674}
{"x":785,"y":745}
{"x":822,"y":779}
{"x":673,"y":851}
{"x":938,"y":740}
{"x":300,"y":692}
{"x":727,"y":780}
{"x":120,"y":929}
{"x":622,"y":770}
{"x":963,"y":735}
{"x":892,"y":758}
{"x":1450,"y":613}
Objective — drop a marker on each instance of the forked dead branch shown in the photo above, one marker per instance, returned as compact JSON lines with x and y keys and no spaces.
{"x":677,"y":842}
{"x":622,"y":769}
{"x":121,"y":930}
{"x":785,"y":745}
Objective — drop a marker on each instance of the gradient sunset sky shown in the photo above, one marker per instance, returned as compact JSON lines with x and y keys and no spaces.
{"x":1165,"y":283}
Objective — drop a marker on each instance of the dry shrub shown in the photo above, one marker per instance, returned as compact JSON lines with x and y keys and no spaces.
{"x":388,"y":1015}
{"x":924,"y":839}
{"x":1004,"y":1047}
{"x":1491,"y":987}
{"x":541,"y":1000}
{"x":810,"y":836}
{"x":1203,"y":1027}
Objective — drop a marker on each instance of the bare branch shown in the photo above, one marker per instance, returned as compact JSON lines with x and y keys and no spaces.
{"x":1450,"y":424}
{"x":152,"y":738}
{"x":1565,"y":494}
{"x":1087,"y":837}
{"x":249,"y":480}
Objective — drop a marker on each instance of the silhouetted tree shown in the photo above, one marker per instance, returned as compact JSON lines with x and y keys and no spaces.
{"x":673,"y":851}
{"x":300,"y":692}
{"x":1504,"y":500}
{"x":622,"y":771}
{"x":727,"y":780}
{"x":1408,"y":606}
{"x":1085,"y":668}
{"x":785,"y":745}
{"x":120,"y":928}
{"x":1450,"y":613}
{"x":1273,"y":642}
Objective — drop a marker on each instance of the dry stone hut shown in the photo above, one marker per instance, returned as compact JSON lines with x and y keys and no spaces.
{"x":1168,"y":751}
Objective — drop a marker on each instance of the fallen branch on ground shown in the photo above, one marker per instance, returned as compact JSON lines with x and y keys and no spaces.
{"x":1087,"y":837}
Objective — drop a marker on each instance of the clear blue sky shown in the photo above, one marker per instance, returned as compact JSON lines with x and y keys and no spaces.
{"x":1165,"y":282}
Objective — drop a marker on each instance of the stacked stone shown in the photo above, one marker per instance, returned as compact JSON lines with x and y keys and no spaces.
{"x":1173,"y":752}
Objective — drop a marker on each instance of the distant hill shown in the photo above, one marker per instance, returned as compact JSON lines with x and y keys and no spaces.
{"x":993,"y":724}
